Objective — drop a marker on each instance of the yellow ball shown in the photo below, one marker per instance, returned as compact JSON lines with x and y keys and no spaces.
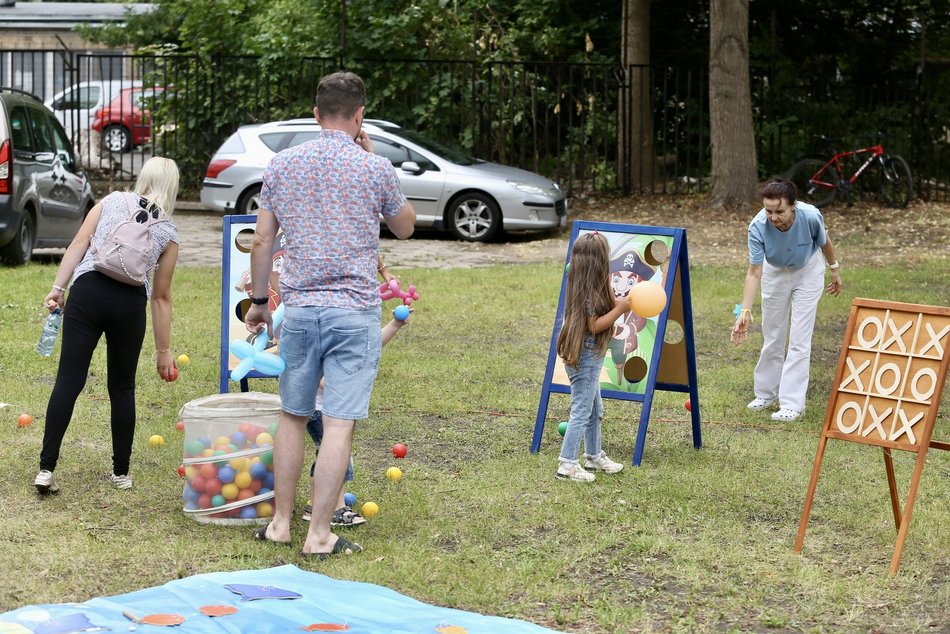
{"x":156,"y":441}
{"x":243,"y":479}
{"x":370,"y":509}
{"x":264,"y":509}
{"x":647,"y":299}
{"x":394,"y":474}
{"x":264,"y":438}
{"x":240,"y":464}
{"x":183,"y":359}
{"x":229,"y":491}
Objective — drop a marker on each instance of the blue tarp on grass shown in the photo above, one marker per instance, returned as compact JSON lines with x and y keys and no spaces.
{"x":324,"y":604}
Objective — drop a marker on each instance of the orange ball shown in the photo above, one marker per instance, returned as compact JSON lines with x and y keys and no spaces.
{"x":647,"y":299}
{"x":24,"y":420}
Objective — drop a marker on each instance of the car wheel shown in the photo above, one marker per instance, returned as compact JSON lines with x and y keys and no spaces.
{"x":116,"y":138}
{"x":474,"y":217}
{"x":250,"y":201}
{"x":20,"y":248}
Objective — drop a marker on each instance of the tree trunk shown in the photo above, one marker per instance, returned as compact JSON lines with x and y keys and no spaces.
{"x":731,"y":130}
{"x":635,"y":161}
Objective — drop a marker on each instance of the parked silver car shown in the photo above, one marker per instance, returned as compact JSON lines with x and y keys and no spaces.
{"x":44,"y":195}
{"x":471,"y":198}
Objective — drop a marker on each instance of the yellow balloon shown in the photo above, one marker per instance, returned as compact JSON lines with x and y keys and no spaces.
{"x":647,"y":299}
{"x":370,"y":509}
{"x":394,"y":474}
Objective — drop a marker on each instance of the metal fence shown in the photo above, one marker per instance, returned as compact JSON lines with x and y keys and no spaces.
{"x":592,"y":127}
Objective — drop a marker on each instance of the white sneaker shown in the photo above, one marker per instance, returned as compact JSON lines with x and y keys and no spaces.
{"x":121,"y":482}
{"x":787,"y":415}
{"x":573,"y":471}
{"x":45,"y":482}
{"x":601,"y":462}
{"x":759,"y":404}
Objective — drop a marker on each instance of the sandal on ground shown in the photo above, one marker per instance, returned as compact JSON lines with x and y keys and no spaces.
{"x":346,"y":516}
{"x":343,"y":546}
{"x":260,"y":534}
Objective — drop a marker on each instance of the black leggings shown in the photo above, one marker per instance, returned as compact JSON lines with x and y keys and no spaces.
{"x":98,"y":304}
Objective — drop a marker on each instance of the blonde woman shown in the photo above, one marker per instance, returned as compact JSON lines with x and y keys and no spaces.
{"x":100,"y":305}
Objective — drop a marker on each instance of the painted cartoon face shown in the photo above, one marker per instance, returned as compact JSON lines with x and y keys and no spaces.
{"x":622,"y":281}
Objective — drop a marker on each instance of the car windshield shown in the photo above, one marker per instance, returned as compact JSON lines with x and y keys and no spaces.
{"x":447,"y":153}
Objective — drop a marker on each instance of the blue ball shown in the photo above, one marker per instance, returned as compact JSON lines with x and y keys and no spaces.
{"x":264,"y":491}
{"x":258,"y":470}
{"x":226,"y":474}
{"x":269,"y":480}
{"x":238,"y":439}
{"x":401,"y":312}
{"x":248,"y":512}
{"x":349,"y":499}
{"x":204,"y":440}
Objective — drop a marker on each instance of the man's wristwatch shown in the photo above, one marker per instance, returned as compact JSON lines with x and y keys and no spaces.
{"x":836,"y":265}
{"x":259,"y":301}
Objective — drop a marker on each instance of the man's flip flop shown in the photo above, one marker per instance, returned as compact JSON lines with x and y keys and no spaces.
{"x":260,"y":534}
{"x":342,"y":546}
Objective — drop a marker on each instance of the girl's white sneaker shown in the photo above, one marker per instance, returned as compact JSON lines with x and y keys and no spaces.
{"x":601,"y":462}
{"x":573,"y":471}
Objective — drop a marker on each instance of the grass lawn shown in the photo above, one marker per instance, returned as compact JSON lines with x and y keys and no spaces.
{"x":690,"y":541}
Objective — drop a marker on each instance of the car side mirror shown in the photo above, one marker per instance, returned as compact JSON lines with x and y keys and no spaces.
{"x":58,"y":104}
{"x":412,"y":167}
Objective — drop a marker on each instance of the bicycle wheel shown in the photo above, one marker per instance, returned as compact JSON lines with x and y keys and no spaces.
{"x":802,"y":174}
{"x":897,"y":188}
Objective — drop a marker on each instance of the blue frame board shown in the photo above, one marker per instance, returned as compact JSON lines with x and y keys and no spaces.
{"x":235,"y":271}
{"x":669,"y":365}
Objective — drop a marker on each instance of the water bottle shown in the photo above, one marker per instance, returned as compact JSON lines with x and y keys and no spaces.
{"x":50,"y":331}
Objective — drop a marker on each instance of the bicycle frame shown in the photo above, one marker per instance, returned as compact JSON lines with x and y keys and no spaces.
{"x":835,"y":161}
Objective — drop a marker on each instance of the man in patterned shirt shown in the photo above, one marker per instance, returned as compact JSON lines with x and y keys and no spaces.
{"x":326,"y":195}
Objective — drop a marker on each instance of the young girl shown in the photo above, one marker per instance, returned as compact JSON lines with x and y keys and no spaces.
{"x":589,"y":315}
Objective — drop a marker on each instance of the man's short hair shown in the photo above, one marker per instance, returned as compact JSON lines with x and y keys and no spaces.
{"x":340,"y":95}
{"x":776,"y":188}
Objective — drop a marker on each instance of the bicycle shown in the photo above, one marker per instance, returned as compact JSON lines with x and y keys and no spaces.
{"x":819,"y":181}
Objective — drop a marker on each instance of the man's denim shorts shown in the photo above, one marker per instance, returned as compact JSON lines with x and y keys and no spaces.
{"x":341,"y":345}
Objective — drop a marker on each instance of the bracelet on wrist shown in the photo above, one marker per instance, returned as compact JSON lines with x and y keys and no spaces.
{"x":834,"y":266}
{"x":259,"y":301}
{"x":164,"y":350}
{"x":57,"y":287}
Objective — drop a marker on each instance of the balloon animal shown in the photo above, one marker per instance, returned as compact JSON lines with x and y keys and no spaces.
{"x":253,"y":356}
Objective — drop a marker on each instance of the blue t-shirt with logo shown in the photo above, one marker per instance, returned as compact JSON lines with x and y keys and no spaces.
{"x":792,"y":248}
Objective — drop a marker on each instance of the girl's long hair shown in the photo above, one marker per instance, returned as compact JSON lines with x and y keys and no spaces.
{"x":588,"y":285}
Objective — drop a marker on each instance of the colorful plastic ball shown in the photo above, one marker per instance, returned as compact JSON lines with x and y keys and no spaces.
{"x":183,"y":359}
{"x":156,"y":440}
{"x":244,"y":494}
{"x":181,"y":471}
{"x":258,"y":470}
{"x":399,"y":450}
{"x":647,"y":299}
{"x":180,"y":425}
{"x":238,"y":439}
{"x":230,"y":491}
{"x":265,"y":509}
{"x":562,"y":427}
{"x":220,"y":452}
{"x":218,"y":500}
{"x":256,"y":486}
{"x":213,"y":486}
{"x":401,"y":313}
{"x":370,"y":509}
{"x":267,"y":457}
{"x":204,"y":501}
{"x":688,"y":405}
{"x":567,"y":268}
{"x":242,"y":479}
{"x":194,"y":447}
{"x":197,"y":483}
{"x":248,"y":513}
{"x":394,"y":474}
{"x":189,"y":494}
{"x":226,"y":474}
{"x":268,"y":480}
{"x":191,"y":471}
{"x":208,"y":470}
{"x":349,"y":499}
{"x":240,"y":464}
{"x":265,"y":491}
{"x":272,"y":429}
{"x":170,"y":375}
{"x":205,"y":442}
{"x":221,"y":441}
{"x":264,"y":438}
{"x":24,"y":420}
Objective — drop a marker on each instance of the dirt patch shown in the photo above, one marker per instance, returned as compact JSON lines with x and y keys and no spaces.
{"x":865,"y":234}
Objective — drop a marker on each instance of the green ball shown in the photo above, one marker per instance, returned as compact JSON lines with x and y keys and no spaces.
{"x":267,"y":457}
{"x":562,"y":427}
{"x":272,"y":429}
{"x":567,"y":268}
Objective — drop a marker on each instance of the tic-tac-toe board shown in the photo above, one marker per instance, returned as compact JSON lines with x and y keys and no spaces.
{"x":891,"y":380}
{"x":886,"y":393}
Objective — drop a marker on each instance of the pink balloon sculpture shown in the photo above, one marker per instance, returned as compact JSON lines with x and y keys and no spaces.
{"x":390,"y":290}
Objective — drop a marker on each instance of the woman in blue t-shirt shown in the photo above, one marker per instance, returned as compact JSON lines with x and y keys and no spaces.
{"x":785,"y":238}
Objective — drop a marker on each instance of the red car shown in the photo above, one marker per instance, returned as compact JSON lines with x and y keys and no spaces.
{"x":125,"y":121}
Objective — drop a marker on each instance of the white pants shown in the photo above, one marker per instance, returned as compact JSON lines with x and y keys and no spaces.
{"x":789,"y":296}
